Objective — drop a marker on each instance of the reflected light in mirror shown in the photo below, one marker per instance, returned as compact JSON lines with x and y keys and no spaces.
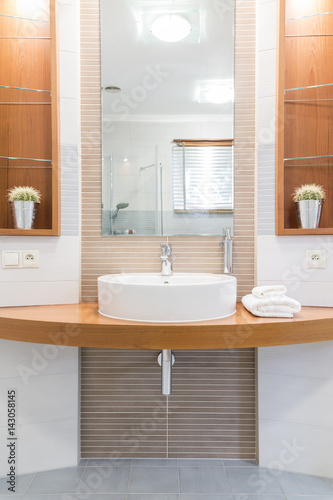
{"x":171,"y":28}
{"x":215,"y":94}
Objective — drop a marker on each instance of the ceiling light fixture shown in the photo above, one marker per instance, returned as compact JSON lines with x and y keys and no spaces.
{"x":171,"y":28}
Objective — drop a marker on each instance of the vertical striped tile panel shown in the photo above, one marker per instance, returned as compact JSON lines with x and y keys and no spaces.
{"x":211,"y":412}
{"x":101,"y":255}
{"x":122,"y":411}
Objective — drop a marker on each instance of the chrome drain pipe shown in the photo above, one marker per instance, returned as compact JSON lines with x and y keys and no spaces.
{"x":166,"y":359}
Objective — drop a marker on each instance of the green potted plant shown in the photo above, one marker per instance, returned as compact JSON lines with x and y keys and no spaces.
{"x":309,"y":200}
{"x":24,"y":202}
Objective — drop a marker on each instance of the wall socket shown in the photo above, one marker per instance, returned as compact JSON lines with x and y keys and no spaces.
{"x":315,"y":259}
{"x":20,"y":259}
{"x":30,"y":258}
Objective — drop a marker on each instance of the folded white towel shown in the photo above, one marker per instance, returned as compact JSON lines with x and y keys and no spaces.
{"x":269,"y":291}
{"x":279,"y":306}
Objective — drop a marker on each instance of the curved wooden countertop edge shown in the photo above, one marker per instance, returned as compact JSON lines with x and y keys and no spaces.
{"x":81,"y":325}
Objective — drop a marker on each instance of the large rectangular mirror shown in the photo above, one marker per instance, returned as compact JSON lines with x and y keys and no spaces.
{"x":167,"y":117}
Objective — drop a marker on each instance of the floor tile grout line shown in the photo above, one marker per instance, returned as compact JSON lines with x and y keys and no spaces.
{"x":276,"y":479}
{"x":226,"y":474}
{"x":129,"y":480}
{"x":178,"y":475}
{"x":330,"y":484}
{"x":83,"y":473}
{"x":34,"y":475}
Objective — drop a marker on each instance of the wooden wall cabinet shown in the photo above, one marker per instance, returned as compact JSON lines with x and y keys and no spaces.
{"x":304,"y":125}
{"x":29,"y":110}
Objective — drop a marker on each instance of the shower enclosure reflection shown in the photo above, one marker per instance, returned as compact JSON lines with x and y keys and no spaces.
{"x":135,"y":206}
{"x":156,"y":92}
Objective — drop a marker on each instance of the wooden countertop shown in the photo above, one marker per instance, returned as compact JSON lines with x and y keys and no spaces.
{"x":82,"y":325}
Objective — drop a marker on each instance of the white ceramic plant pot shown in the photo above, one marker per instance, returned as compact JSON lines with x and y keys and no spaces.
{"x":24,"y":214}
{"x":308,"y":213}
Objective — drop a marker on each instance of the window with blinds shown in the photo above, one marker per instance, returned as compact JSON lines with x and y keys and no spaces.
{"x":203,"y":176}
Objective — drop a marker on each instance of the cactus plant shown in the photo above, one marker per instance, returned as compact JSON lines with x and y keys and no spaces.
{"x":309,"y":192}
{"x":24,"y":193}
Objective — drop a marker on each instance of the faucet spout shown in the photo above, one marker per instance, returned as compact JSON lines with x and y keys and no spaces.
{"x":227,"y":245}
{"x":166,"y":260}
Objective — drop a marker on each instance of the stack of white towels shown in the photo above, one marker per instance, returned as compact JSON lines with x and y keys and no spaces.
{"x":271,"y":302}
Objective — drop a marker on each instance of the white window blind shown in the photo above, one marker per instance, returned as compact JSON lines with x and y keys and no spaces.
{"x":203,"y":178}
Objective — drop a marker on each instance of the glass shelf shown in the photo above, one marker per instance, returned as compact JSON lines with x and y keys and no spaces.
{"x":24,"y":103}
{"x":304,"y":100}
{"x":325,"y":161}
{"x":26,"y":166}
{"x":25,"y":38}
{"x":309,"y":16}
{"x":24,"y":159}
{"x":25,"y":18}
{"x":307,"y":35}
{"x":310,"y":87}
{"x":23,"y":88}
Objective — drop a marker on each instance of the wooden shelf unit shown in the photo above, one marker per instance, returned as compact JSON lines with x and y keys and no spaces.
{"x":29,"y":110}
{"x":304,"y":114}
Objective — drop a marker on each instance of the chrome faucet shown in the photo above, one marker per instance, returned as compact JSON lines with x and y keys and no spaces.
{"x":166,"y":259}
{"x":226,"y":244}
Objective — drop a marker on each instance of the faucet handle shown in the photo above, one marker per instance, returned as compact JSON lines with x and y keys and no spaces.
{"x":166,"y":249}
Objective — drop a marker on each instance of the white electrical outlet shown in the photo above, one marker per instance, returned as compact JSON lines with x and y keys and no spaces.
{"x":30,"y":258}
{"x":20,"y":259}
{"x":315,"y":259}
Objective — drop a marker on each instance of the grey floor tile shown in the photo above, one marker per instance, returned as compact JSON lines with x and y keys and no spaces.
{"x":154,"y":496}
{"x":261,"y":497}
{"x":310,"y":497}
{"x":112,"y":496}
{"x":10,"y":497}
{"x":56,"y":481}
{"x":202,"y":496}
{"x":301,"y":484}
{"x":252,"y":481}
{"x":109,"y":462}
{"x":240,"y":463}
{"x":104,"y":480}
{"x":83,"y":462}
{"x":62,"y":496}
{"x":203,"y":480}
{"x":71,"y":496}
{"x":22,"y":483}
{"x":154,"y":480}
{"x":155,"y":462}
{"x":200,"y":462}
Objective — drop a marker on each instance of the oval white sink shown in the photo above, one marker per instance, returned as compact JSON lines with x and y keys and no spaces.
{"x":154,"y":298}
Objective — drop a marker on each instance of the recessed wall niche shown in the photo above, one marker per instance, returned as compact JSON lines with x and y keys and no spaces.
{"x":29,"y":109}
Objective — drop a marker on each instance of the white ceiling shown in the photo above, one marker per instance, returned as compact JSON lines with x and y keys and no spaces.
{"x":128,"y":49}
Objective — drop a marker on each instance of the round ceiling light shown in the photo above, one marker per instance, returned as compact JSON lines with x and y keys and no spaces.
{"x":171,"y":28}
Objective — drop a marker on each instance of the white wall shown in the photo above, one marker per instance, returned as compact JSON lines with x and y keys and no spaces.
{"x":46,"y":378}
{"x":295,"y":383}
